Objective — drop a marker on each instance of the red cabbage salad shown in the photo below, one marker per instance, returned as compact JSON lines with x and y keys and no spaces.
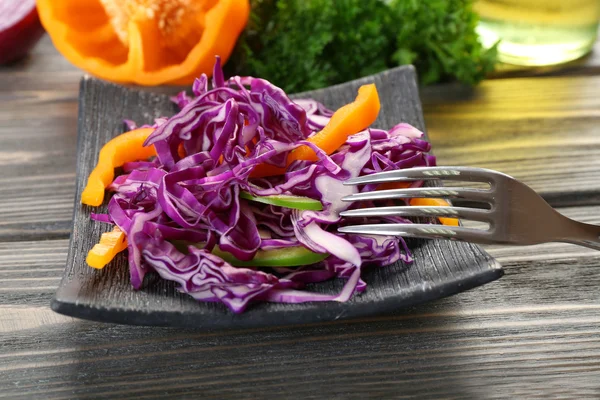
{"x":196,"y":214}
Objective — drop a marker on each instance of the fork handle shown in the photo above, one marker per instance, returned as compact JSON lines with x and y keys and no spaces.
{"x":583,"y":234}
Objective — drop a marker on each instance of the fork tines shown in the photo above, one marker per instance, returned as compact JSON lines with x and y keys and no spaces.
{"x":423,"y":230}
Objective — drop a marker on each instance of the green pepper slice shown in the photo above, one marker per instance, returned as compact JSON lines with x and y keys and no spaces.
{"x":286,"y":257}
{"x":285,"y":200}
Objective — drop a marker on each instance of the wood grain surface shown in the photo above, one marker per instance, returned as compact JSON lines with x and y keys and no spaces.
{"x":532,"y":334}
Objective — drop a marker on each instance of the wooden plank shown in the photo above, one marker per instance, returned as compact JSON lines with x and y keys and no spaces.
{"x":38,"y":133}
{"x":43,"y":69}
{"x":543,"y":131}
{"x":534,"y":332}
{"x":30,"y":272}
{"x":37,"y":157}
{"x":451,"y":352}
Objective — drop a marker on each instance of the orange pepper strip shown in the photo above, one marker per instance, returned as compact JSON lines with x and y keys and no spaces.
{"x":263,"y":170}
{"x":110,"y":244}
{"x":393,"y":185}
{"x":181,"y":151}
{"x":348,"y":120}
{"x":421,"y":201}
{"x":128,"y":146}
{"x":437,"y":203}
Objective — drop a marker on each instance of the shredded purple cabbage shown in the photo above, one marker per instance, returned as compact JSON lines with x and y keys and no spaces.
{"x":193,"y":195}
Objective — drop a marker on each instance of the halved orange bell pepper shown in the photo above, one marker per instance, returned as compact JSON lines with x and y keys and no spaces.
{"x":128,"y":146}
{"x":111,"y":243}
{"x":346,"y":121}
{"x":148,"y":42}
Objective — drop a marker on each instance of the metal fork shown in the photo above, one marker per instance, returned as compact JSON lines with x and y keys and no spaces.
{"x":517,"y":214}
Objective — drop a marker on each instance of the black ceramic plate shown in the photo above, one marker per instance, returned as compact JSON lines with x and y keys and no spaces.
{"x":441,"y":268}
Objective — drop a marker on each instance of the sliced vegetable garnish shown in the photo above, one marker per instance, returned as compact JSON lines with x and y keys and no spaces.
{"x":287,"y":257}
{"x":421,"y":201}
{"x":287,"y":201}
{"x":111,"y":243}
{"x":128,"y":146}
{"x":293,"y":256}
{"x":435,"y":202}
{"x":346,"y":121}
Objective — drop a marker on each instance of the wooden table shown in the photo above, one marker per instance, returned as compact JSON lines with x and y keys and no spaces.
{"x":533,"y":333}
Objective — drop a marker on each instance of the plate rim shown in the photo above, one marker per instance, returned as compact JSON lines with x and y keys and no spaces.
{"x":325,"y":314}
